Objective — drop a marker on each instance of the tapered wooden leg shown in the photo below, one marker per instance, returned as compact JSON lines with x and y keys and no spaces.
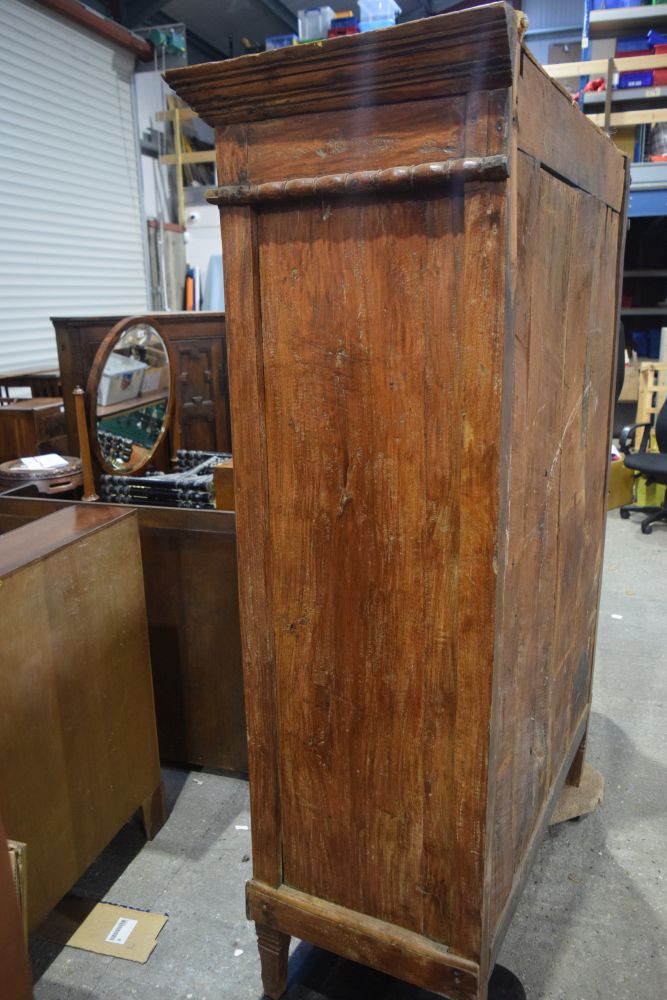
{"x":152,"y":812}
{"x":273,"y":951}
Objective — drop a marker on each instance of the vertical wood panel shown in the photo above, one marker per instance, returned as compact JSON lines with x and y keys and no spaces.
{"x":239,"y":235}
{"x":383,"y":506}
{"x":563,"y":352}
{"x":482,"y":303}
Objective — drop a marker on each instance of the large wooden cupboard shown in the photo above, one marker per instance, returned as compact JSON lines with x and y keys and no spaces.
{"x":422,"y":240}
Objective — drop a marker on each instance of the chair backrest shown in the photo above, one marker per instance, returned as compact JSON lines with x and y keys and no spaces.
{"x":661,"y":427}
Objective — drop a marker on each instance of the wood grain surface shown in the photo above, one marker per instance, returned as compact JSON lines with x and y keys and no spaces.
{"x":457,"y":54}
{"x":78,"y":746}
{"x":191,"y":592}
{"x":422,"y":380}
{"x":361,"y":491}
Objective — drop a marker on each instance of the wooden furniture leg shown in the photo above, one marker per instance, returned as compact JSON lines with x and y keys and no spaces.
{"x":579,"y":800}
{"x":89,"y":494}
{"x":151,"y":812}
{"x":583,"y":791}
{"x":577,"y":766}
{"x":273,"y":951}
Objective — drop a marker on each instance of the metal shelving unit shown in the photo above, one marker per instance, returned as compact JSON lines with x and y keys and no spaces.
{"x":644,"y":310}
{"x":616,"y":108}
{"x":620,"y":20}
{"x":630,"y":96}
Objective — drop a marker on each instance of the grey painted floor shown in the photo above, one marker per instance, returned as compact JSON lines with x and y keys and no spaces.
{"x":591,"y":924}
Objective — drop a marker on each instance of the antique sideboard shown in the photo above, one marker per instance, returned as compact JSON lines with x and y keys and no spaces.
{"x":189,"y":555}
{"x":78,"y":745}
{"x":191,"y":593}
{"x":32,"y":427}
{"x":422,"y":238}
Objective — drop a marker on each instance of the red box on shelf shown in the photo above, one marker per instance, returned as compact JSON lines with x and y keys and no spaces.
{"x":634,"y":52}
{"x":660,"y":76}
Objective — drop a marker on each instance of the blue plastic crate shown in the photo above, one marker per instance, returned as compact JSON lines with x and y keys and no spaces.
{"x":635,"y":78}
{"x":280,"y":41}
{"x":609,"y":4}
{"x":636,"y":43}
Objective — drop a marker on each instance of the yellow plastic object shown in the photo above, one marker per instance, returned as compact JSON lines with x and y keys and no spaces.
{"x":619,"y":485}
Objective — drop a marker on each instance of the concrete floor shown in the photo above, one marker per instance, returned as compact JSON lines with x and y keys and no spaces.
{"x":592,"y":922}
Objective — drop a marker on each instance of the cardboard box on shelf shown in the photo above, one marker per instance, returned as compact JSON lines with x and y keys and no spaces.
{"x":155,"y":377}
{"x":630,"y":390}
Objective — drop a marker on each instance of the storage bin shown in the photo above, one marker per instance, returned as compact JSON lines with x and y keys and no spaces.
{"x":636,"y":78}
{"x":610,"y":4}
{"x":314,"y":23}
{"x":279,"y":41}
{"x":374,"y":25}
{"x":636,"y":44}
{"x":344,"y":24}
{"x":120,"y":380}
{"x":376,"y":11}
{"x":660,"y":76}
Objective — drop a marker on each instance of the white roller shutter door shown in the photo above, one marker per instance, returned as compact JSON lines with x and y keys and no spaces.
{"x":71,"y":228}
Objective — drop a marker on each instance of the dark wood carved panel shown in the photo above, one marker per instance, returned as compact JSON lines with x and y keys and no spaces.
{"x":196,"y":340}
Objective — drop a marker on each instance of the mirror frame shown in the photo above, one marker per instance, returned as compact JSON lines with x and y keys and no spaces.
{"x":97,"y":367}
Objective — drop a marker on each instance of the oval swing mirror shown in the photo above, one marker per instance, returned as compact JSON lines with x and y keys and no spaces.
{"x":130,"y":395}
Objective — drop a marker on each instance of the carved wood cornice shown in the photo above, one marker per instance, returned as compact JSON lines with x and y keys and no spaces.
{"x":458,"y":53}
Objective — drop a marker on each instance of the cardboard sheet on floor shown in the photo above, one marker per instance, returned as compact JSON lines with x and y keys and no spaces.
{"x":103,"y":928}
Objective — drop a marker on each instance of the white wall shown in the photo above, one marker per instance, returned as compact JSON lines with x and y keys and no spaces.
{"x":72,"y":232}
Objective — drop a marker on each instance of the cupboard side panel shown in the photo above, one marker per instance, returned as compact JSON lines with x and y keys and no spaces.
{"x":239,"y":238}
{"x":564,"y":320}
{"x":382,"y":484}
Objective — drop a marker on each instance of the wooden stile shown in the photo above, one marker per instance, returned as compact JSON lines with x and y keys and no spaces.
{"x":422,"y":243}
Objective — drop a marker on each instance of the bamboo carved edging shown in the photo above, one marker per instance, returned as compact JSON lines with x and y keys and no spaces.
{"x":483,"y":168}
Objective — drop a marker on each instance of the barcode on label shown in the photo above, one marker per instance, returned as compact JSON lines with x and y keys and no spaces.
{"x":121,"y":930}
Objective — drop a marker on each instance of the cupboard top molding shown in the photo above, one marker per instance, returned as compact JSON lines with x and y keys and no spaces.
{"x":458,"y":53}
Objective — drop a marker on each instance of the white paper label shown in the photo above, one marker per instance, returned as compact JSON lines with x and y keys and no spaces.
{"x":121,"y":930}
{"x":52,"y":461}
{"x":44,"y":462}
